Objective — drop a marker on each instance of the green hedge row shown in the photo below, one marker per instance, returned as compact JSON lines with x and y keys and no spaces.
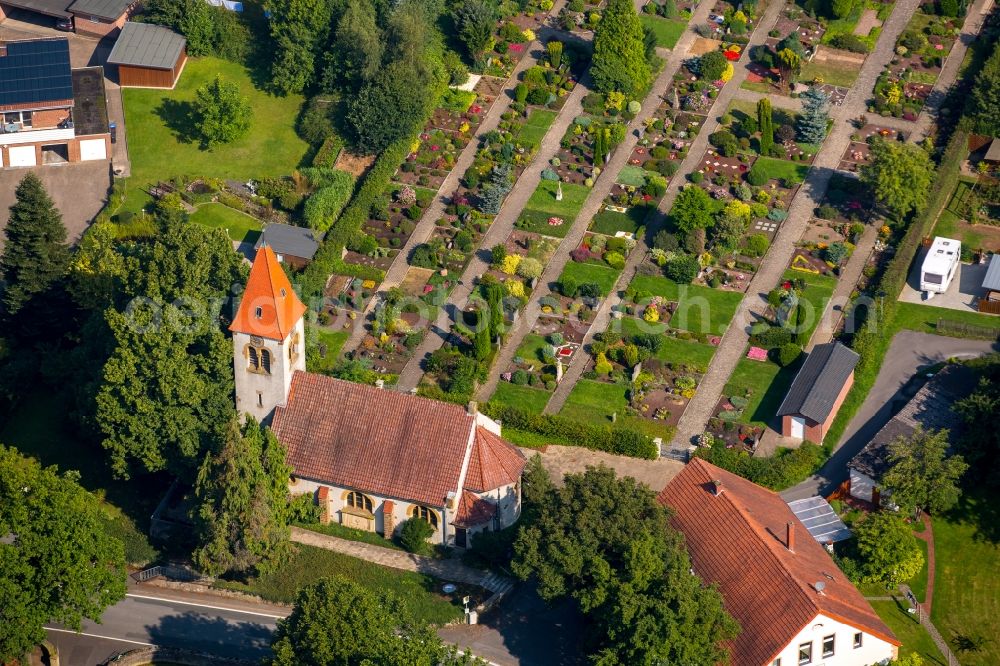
{"x":328,"y":153}
{"x":618,"y":440}
{"x":782,"y":470}
{"x":328,"y":258}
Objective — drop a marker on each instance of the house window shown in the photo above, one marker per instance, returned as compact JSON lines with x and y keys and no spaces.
{"x":857,"y":640}
{"x":424,"y":513}
{"x":359,"y":501}
{"x":776,"y":662}
{"x":805,"y":653}
{"x":828,"y":642}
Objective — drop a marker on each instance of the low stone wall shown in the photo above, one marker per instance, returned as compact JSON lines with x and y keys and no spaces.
{"x":145,"y":655}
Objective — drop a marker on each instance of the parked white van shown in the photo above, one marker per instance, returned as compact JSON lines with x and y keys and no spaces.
{"x":940,"y":265}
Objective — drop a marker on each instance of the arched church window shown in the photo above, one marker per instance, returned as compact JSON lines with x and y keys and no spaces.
{"x":265,"y":361}
{"x":359,"y":501}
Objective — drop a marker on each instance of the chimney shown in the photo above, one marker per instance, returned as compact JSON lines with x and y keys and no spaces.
{"x":717,"y":487}
{"x":790,"y":537}
{"x":473,"y":408}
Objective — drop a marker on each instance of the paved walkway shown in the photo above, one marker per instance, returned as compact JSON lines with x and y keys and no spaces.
{"x":735,"y":340}
{"x":849,"y":275}
{"x":928,"y":536}
{"x":449,"y":570}
{"x":401,"y":264}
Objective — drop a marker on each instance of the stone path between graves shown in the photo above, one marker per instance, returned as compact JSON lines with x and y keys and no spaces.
{"x":449,"y":570}
{"x":734,"y":342}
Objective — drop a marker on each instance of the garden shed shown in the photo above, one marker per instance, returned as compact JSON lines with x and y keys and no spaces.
{"x":991,"y":282}
{"x":817,"y":392}
{"x":295,"y":246}
{"x":148,"y":56}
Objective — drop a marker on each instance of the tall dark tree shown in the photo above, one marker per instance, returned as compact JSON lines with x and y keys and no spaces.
{"x":922,"y":476}
{"x":242,"y":493}
{"x":766,"y":126}
{"x":299,"y":30}
{"x":35,"y":256}
{"x":356,"y":50}
{"x":57,"y":561}
{"x":619,"y":62}
{"x":339,"y":622}
{"x":607,"y":543}
{"x":899,"y":174}
{"x":983,"y":114}
{"x":980,"y":443}
{"x":815,"y":116}
{"x":475,"y":21}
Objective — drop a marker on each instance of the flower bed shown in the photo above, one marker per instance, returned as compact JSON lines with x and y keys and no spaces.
{"x":858,"y":153}
{"x":431,"y":158}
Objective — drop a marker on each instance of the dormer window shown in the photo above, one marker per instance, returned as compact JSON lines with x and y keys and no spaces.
{"x":258,"y":312}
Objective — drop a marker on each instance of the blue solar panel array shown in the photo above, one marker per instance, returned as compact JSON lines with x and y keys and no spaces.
{"x":36,"y":71}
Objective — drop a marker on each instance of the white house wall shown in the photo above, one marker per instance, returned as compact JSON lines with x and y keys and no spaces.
{"x":872,"y":651}
{"x":862,"y":486}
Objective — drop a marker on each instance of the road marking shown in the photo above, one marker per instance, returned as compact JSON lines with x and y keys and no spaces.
{"x":108,"y":638}
{"x":221,"y":608}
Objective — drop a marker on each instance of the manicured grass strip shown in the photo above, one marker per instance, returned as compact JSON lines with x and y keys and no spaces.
{"x":543,"y":204}
{"x":700,"y":309}
{"x":839,"y":74}
{"x":241,"y":227}
{"x":672,"y":350}
{"x":924,"y":318}
{"x":531,"y":349}
{"x":535,"y":128}
{"x":914,"y":637}
{"x":632,"y":175}
{"x":818,"y":291}
{"x":341,"y":532}
{"x":610,"y":222}
{"x":966,"y":585}
{"x":333,"y":340}
{"x":595,"y":402}
{"x":782,"y":169}
{"x":667,"y":31}
{"x":767,"y":382}
{"x":159,"y":127}
{"x":584,"y":273}
{"x":309,"y":564}
{"x":523,"y":397}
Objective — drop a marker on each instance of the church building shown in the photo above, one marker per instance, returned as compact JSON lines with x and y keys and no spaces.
{"x":372,"y":458}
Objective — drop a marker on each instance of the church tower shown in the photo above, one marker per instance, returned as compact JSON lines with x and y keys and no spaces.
{"x":268,"y":338}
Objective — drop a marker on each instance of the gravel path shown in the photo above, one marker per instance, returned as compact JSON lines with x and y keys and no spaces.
{"x":734,"y":342}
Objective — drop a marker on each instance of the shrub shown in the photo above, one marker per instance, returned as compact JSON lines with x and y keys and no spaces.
{"x":775,"y":336}
{"x":696,"y":177}
{"x":757,"y":245}
{"x":325,"y":205}
{"x":757,"y":176}
{"x":529,"y":268}
{"x":497,"y":254}
{"x":568,"y":287}
{"x":712,"y":65}
{"x":836,"y":253}
{"x":538,"y":96}
{"x":521,"y":93}
{"x":850,"y":43}
{"x":520,"y":377}
{"x":683,"y":269}
{"x":787,"y":354}
{"x":413,"y":535}
{"x":826,"y":212}
{"x":666,"y":241}
{"x":785,"y":468}
{"x":615,"y":260}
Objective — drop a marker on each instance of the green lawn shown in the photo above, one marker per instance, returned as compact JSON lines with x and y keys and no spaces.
{"x":699,"y":310}
{"x":529,"y":399}
{"x":309,"y":564}
{"x":595,"y":402}
{"x":610,"y":222}
{"x":583,"y":273}
{"x":768,"y":383}
{"x":536,"y":126}
{"x":948,"y":220}
{"x":159,"y":125}
{"x":914,"y":637}
{"x":38,"y":427}
{"x":672,"y":350}
{"x":531,"y":349}
{"x":351,"y":534}
{"x":542,"y":205}
{"x":924,"y":318}
{"x":333,"y":340}
{"x":783,"y":169}
{"x":667,"y":31}
{"x":241,"y":227}
{"x":632,"y":175}
{"x":839,"y":74}
{"x":818,"y":291}
{"x":966,"y":586}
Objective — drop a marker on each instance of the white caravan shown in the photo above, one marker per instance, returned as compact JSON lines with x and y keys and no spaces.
{"x":940,"y":265}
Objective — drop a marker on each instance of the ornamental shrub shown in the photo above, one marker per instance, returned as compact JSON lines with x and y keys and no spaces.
{"x":510,"y":263}
{"x":323,"y":208}
{"x":787,"y":354}
{"x":774,"y":336}
{"x":757,"y":176}
{"x":615,"y":260}
{"x":529,"y":268}
{"x":683,"y":269}
{"x":413,"y":535}
{"x":521,"y":93}
{"x":757,"y":245}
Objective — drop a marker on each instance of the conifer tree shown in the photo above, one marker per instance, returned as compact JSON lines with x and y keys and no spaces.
{"x":815,"y":115}
{"x":619,"y":62}
{"x":35,"y":256}
{"x":766,"y":126}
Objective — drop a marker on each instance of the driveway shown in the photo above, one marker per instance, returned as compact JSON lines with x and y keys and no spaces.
{"x":79,"y":191}
{"x":898,"y":381}
{"x":965,"y":288}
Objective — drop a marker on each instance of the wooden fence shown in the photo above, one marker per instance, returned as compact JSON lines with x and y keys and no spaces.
{"x":963,"y":330}
{"x":989,"y":307}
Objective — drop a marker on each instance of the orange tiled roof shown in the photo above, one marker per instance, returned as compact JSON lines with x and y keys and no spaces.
{"x":493,"y":463}
{"x":269,"y":292}
{"x":737,"y":540}
{"x":473,"y":510}
{"x":356,"y":436}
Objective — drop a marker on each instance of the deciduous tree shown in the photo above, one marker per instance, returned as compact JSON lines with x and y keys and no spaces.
{"x":619,"y":62}
{"x":922,"y":476}
{"x":983,"y":114}
{"x":607,"y":543}
{"x":222,"y":113}
{"x":356,"y":50}
{"x":242,"y":492}
{"x":299,"y":30}
{"x":899,"y":174}
{"x":57,"y":561}
{"x":887,"y":548}
{"x":692,"y":209}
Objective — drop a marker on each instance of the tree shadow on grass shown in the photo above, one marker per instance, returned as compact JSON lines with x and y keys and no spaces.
{"x":180,"y":118}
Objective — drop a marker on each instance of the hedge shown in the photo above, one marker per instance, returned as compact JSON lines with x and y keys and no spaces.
{"x":324,"y":206}
{"x":328,"y":153}
{"x":328,"y":259}
{"x":619,"y":440}
{"x":785,"y":468}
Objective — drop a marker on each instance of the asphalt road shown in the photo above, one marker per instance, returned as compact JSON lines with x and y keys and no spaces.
{"x":898,"y":380}
{"x":206,"y":624}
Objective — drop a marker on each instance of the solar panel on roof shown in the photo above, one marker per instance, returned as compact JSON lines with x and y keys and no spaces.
{"x":820,"y":520}
{"x":36,"y":71}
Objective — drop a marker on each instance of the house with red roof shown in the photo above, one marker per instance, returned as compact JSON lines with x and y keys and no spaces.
{"x":372,"y":458}
{"x":794,"y":605}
